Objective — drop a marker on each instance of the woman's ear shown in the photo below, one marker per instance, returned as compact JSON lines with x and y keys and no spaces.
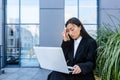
{"x":80,"y":28}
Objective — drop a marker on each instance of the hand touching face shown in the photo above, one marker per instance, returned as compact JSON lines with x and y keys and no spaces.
{"x":65,"y":35}
{"x":73,"y":30}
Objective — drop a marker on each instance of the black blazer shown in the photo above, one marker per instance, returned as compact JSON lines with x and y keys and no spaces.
{"x":85,"y":58}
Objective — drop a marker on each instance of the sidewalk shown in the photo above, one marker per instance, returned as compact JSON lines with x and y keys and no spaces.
{"x":24,"y":74}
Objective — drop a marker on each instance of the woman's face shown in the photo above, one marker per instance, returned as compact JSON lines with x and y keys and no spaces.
{"x":73,"y":30}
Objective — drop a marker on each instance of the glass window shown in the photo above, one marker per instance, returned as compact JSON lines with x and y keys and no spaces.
{"x":29,"y":35}
{"x":12,"y":11}
{"x":29,"y":38}
{"x":11,"y":32}
{"x":11,"y":42}
{"x":88,"y":11}
{"x":85,"y":10}
{"x":91,"y":29}
{"x":90,"y":3}
{"x":29,"y":11}
{"x":71,"y":9}
{"x":12,"y":35}
{"x":88,"y":15}
{"x":22,"y":28}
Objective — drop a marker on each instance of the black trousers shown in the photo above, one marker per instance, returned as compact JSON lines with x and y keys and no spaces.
{"x":61,"y":76}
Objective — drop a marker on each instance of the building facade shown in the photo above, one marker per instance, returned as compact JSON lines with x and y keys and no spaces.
{"x":43,"y":24}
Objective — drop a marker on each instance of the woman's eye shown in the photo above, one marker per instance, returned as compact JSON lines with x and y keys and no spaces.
{"x":72,"y":29}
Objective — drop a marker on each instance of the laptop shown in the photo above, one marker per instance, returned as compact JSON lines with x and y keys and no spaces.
{"x":52,"y":58}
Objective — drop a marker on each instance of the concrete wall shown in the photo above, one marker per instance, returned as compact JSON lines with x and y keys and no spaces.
{"x":107,"y":9}
{"x":51,"y":22}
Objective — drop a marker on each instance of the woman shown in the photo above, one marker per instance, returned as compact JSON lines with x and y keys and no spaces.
{"x":80,"y":52}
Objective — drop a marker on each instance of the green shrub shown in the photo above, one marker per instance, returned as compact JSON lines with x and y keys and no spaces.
{"x":108,"y":60}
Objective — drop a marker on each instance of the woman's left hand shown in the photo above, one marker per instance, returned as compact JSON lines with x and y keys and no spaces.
{"x":76,"y":69}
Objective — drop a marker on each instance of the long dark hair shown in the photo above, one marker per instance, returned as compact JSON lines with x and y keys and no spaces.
{"x":77,"y":22}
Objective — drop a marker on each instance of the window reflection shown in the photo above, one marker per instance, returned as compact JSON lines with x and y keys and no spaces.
{"x":22,"y":31}
{"x":12,"y":49}
{"x":29,"y":38}
{"x":29,"y":35}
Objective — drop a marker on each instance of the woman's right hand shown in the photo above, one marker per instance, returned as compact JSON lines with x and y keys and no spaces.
{"x":65,"y":35}
{"x":76,"y":69}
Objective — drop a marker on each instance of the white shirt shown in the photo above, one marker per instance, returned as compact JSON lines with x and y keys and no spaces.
{"x":76,"y":43}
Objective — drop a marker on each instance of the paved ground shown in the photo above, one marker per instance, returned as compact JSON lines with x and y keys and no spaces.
{"x":24,"y":74}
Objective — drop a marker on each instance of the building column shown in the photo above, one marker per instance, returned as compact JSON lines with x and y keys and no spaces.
{"x":1,"y":37}
{"x":0,"y":22}
{"x":51,"y":22}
